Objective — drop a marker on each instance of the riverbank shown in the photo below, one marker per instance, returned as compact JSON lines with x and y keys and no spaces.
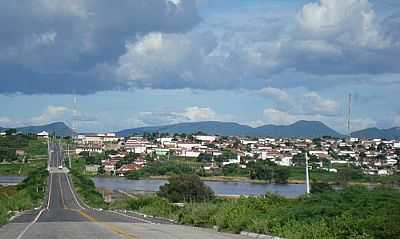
{"x":223,"y":188}
{"x":290,"y":181}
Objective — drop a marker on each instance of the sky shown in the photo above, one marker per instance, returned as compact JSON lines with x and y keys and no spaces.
{"x":135,"y":63}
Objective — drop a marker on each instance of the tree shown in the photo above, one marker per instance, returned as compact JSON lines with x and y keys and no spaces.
{"x":261,"y":170}
{"x":320,"y":187}
{"x":346,"y":175}
{"x":203,"y":157}
{"x":101,"y":170}
{"x":186,"y":188}
{"x":11,"y":132}
{"x":281,"y":175}
{"x":299,"y":159}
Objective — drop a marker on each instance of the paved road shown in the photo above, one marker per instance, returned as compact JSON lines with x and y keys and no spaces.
{"x":63,"y":215}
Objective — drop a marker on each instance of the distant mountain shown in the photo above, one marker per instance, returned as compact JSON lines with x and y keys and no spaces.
{"x":58,"y":128}
{"x":375,"y":133}
{"x":209,"y":127}
{"x":300,"y":129}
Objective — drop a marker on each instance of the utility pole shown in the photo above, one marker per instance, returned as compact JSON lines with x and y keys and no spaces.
{"x":49,"y":153}
{"x":69,"y":157}
{"x":307,"y":176}
{"x":349,"y":119}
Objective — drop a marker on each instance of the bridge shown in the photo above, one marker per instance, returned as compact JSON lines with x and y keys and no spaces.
{"x":64,"y":215}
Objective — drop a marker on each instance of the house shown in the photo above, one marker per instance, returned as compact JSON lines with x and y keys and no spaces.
{"x":109,"y":166}
{"x":189,"y":153}
{"x":94,"y":168}
{"x":284,"y":161}
{"x":205,"y":138}
{"x":161,"y":152}
{"x":91,"y":148}
{"x":43,"y":135}
{"x":97,"y":138}
{"x":187,"y":145}
{"x":20,"y":152}
{"x":127,"y":168}
{"x":232,"y":161}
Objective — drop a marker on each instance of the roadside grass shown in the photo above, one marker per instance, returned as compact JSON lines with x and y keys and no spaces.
{"x":86,"y":189}
{"x":28,"y":195}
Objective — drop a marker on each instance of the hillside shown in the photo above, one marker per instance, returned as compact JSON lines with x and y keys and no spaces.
{"x":375,"y":133}
{"x":300,"y":129}
{"x":57,"y":128}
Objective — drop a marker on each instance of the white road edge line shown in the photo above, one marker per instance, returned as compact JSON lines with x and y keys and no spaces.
{"x":41,"y":211}
{"x":30,"y":224}
{"x":73,"y":194}
{"x":87,"y":207}
{"x":50,"y":186}
{"x":131,"y":217}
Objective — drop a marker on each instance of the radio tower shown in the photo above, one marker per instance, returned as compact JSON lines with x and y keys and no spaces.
{"x":74,"y":119}
{"x":349,"y":119}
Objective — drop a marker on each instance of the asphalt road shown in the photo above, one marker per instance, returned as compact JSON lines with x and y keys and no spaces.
{"x":64,"y":215}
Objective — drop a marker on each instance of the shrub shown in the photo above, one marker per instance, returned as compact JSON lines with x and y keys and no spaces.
{"x":186,"y":188}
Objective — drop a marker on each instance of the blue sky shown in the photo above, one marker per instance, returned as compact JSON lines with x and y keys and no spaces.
{"x":152,"y":62}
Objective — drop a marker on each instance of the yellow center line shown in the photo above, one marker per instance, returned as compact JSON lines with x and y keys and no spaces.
{"x":110,"y":227}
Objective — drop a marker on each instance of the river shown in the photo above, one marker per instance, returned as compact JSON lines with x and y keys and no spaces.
{"x":220,"y":188}
{"x":11,"y":180}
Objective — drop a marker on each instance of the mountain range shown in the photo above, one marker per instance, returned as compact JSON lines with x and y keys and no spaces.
{"x":300,"y":129}
{"x":57,"y":128}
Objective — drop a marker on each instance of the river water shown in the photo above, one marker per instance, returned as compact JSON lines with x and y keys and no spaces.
{"x":220,"y":188}
{"x":11,"y":180}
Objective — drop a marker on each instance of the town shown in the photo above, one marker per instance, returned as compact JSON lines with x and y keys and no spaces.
{"x":374,"y":157}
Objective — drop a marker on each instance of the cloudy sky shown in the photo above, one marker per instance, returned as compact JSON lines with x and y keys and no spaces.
{"x":136,"y":63}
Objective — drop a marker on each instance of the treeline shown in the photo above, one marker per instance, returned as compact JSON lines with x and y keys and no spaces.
{"x":261,"y":170}
{"x":29,"y":194}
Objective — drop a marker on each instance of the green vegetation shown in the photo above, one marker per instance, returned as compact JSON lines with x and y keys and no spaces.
{"x":345,"y":175}
{"x":31,"y":146}
{"x":27,"y":195}
{"x":354,"y":212}
{"x":261,"y":170}
{"x":166,"y":168}
{"x":22,"y":169}
{"x":186,"y":188}
{"x":86,"y":188}
{"x":32,"y":154}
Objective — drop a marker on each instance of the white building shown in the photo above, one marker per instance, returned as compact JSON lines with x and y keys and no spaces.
{"x":205,"y":138}
{"x":189,"y":153}
{"x":285,"y":161}
{"x":43,"y":135}
{"x":232,"y":161}
{"x":187,"y":146}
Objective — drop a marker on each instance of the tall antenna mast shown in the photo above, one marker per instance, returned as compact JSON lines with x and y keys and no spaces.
{"x":349,"y":119}
{"x":74,"y":118}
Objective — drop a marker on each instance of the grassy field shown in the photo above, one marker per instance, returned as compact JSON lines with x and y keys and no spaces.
{"x":21,"y":169}
{"x":29,"y":194}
